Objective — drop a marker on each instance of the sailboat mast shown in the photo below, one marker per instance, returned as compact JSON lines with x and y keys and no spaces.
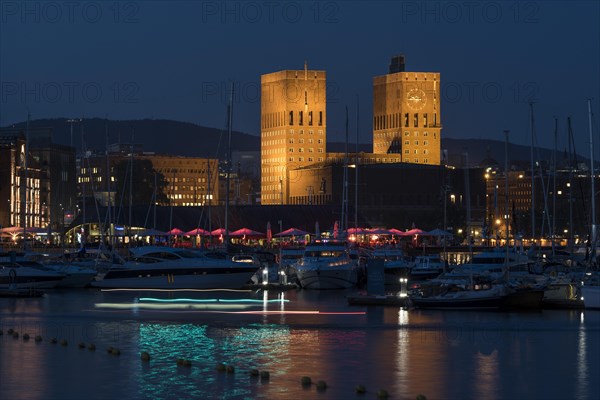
{"x":554,"y":186}
{"x":109,"y":218}
{"x":593,"y":233}
{"x":356,"y":168}
{"x":571,"y":233}
{"x":343,"y":219}
{"x":131,"y":184}
{"x":532,"y":176}
{"x":82,"y":167}
{"x":229,"y":127}
{"x":506,"y":194}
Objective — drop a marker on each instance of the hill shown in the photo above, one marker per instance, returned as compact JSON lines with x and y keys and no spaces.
{"x":188,"y":139}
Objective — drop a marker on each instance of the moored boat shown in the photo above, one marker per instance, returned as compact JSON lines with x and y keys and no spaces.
{"x":326,"y":265}
{"x":175,"y":268}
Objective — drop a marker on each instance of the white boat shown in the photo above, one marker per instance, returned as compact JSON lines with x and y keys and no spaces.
{"x":23,"y":274}
{"x":493,"y":264}
{"x":426,"y":266}
{"x":460,"y":295}
{"x":395,"y":264}
{"x":155,"y":267}
{"x":326,"y":265}
{"x":590,"y":290}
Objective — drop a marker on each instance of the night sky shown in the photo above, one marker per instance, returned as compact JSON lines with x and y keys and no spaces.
{"x":174,"y":60}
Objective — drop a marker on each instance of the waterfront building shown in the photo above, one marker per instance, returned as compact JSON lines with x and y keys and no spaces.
{"x":406,"y":114}
{"x":293,"y":128}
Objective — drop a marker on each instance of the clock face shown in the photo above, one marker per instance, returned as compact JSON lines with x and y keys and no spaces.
{"x":416,"y":99}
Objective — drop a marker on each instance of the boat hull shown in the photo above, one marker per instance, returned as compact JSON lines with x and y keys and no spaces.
{"x":233,"y":280}
{"x":484,"y":303}
{"x":591,"y":296}
{"x":327,"y":278}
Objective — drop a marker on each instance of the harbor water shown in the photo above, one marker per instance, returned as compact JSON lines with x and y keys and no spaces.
{"x":548,"y":354}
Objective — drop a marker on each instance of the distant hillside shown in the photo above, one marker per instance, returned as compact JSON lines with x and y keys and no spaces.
{"x":187,"y":139}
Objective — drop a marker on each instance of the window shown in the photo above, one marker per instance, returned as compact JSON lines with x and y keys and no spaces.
{"x":425,"y":120}
{"x":416,"y":142}
{"x":291,"y":122}
{"x":406,"y":151}
{"x":310,"y":121}
{"x":310,"y":149}
{"x":320,"y":118}
{"x":425,"y":142}
{"x":300,"y":140}
{"x":300,"y":159}
{"x":416,"y":134}
{"x":300,"y":150}
{"x":291,"y":150}
{"x":415,"y":120}
{"x":416,"y":151}
{"x":406,"y":120}
{"x":291,"y":141}
{"x":301,"y":118}
{"x":310,"y":159}
{"x":425,"y":134}
{"x":406,"y":133}
{"x":407,"y":142}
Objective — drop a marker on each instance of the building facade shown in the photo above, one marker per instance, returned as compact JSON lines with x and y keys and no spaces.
{"x":406,"y":114}
{"x":293,"y":128}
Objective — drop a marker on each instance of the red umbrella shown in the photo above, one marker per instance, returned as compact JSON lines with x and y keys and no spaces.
{"x":356,"y":231}
{"x":197,"y":231}
{"x":246,"y":232}
{"x":292,"y":232}
{"x":176,"y":232}
{"x":269,"y":232}
{"x":219,"y":232}
{"x":379,"y":231}
{"x":414,"y":231}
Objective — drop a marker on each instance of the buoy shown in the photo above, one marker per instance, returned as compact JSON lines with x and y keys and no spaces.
{"x":53,"y":341}
{"x":254,"y":372}
{"x":38,"y":338}
{"x":10,"y":331}
{"x":221,"y":367}
{"x":306,"y":381}
{"x":81,"y":345}
{"x":187,"y":363}
{"x":64,"y":342}
{"x":230,"y":369}
{"x":361,"y":389}
{"x":115,"y":351}
{"x":321,"y":385}
{"x":145,"y":356}
{"x":265,"y":375}
{"x":382,"y":394}
{"x":421,"y":397}
{"x":110,"y":349}
{"x":26,"y":336}
{"x":91,"y":347}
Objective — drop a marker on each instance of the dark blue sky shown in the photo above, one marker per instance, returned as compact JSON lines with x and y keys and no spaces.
{"x":174,"y":60}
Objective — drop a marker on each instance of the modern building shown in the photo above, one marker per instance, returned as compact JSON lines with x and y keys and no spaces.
{"x":190,"y":181}
{"x":406,"y":114}
{"x":293,"y":128}
{"x":20,"y":205}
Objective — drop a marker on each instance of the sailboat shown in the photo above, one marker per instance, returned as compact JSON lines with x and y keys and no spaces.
{"x":590,"y":290}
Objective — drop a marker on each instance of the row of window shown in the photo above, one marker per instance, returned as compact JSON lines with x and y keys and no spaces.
{"x":282,"y":132}
{"x":416,"y":160}
{"x":301,"y":159}
{"x":301,"y":118}
{"x":390,"y":121}
{"x":310,"y":150}
{"x":310,"y":141}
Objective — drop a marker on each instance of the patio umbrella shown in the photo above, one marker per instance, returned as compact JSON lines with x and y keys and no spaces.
{"x":246,"y":232}
{"x":176,"y":232}
{"x":356,"y":231}
{"x":414,"y":231}
{"x":292,"y":232}
{"x":379,"y":231}
{"x":437,"y":232}
{"x":219,"y":232}
{"x":197,"y":231}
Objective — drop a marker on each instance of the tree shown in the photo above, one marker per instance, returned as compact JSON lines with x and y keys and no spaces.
{"x":143,"y":183}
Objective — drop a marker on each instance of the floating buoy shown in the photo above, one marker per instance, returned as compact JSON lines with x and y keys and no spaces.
{"x":91,"y":347}
{"x":10,"y":331}
{"x":265,"y":375}
{"x":115,"y":351}
{"x":53,"y":341}
{"x":145,"y":356}
{"x":187,"y":363}
{"x":230,"y":369}
{"x":254,"y":372}
{"x":81,"y":345}
{"x":26,"y":336}
{"x":361,"y":389}
{"x":382,"y":394}
{"x":221,"y":367}
{"x":421,"y":397}
{"x":321,"y":385}
{"x":306,"y":381}
{"x":110,"y":349}
{"x":38,"y":338}
{"x":64,"y":342}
